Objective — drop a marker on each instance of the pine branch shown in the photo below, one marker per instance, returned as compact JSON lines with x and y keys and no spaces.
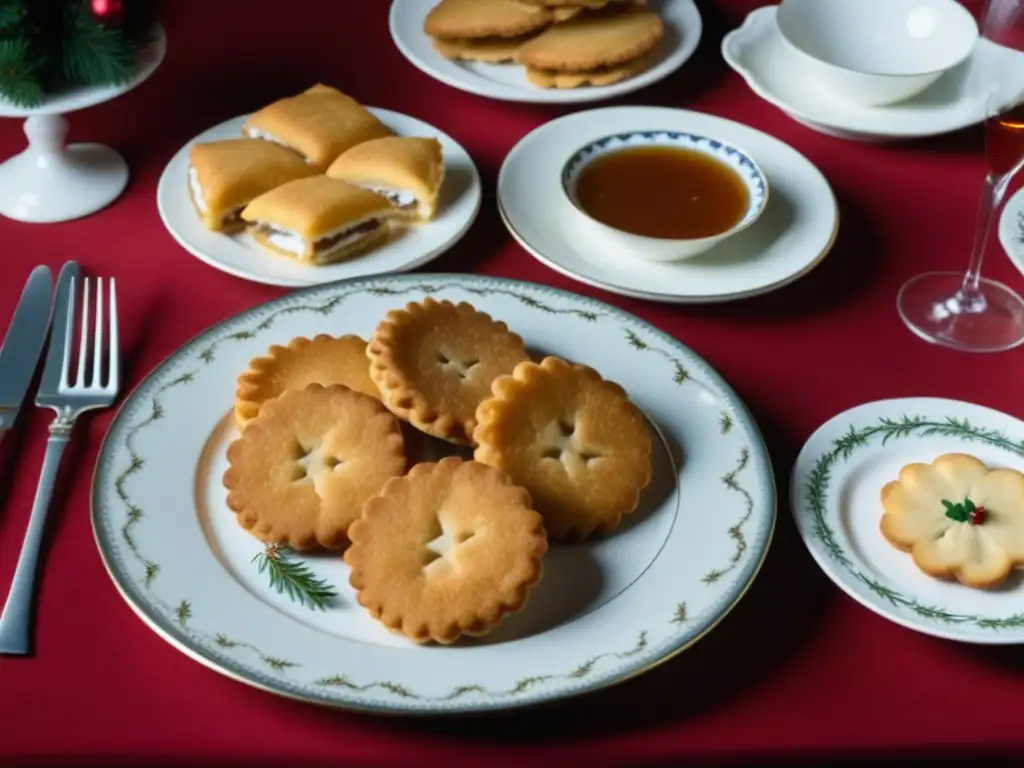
{"x":19,"y":73}
{"x":12,"y":14}
{"x":294,"y":578}
{"x":92,"y":54}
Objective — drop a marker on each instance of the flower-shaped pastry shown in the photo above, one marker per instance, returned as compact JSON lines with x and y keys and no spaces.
{"x":957,"y":518}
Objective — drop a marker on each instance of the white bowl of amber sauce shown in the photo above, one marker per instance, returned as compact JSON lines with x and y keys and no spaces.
{"x":663,"y":195}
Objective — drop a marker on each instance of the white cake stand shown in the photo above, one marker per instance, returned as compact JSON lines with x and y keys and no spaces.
{"x":50,"y":181}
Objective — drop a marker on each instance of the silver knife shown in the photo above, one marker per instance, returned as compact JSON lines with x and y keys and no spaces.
{"x":23,"y":344}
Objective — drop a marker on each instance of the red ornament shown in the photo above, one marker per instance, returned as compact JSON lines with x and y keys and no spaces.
{"x":109,"y":13}
{"x":978,"y":516}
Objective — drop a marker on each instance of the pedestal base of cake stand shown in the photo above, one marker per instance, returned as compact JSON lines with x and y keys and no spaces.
{"x":50,"y":182}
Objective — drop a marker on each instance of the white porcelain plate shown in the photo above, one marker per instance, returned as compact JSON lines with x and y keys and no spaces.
{"x":795,"y":232}
{"x":508,"y":82}
{"x":1011,"y":229}
{"x":604,"y":610}
{"x":758,"y":53}
{"x":238,"y":255}
{"x":835,"y":494}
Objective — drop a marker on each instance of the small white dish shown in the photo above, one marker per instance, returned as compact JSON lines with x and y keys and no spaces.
{"x":956,"y":100}
{"x":656,"y":248}
{"x":1011,"y":229}
{"x":238,"y":255}
{"x":877,"y":52}
{"x":835,"y":495}
{"x":605,"y":610}
{"x":792,"y":236}
{"x":507,"y":82}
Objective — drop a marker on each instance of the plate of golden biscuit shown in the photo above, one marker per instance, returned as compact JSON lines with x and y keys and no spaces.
{"x":554,"y":51}
{"x":433,"y":494}
{"x":317,"y":187}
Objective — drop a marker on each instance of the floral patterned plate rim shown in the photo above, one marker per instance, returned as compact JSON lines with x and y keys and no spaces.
{"x":1011,"y":229}
{"x":604,"y":611}
{"x":834,"y":492}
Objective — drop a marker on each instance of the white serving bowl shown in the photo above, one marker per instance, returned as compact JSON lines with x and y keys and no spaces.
{"x":657,"y":248}
{"x":877,"y":52}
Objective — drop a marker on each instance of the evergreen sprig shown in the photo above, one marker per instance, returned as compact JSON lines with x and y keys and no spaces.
{"x":12,"y":13}
{"x":92,"y":54}
{"x":294,"y":578}
{"x":21,"y":61}
{"x":50,"y":46}
{"x":20,"y":70}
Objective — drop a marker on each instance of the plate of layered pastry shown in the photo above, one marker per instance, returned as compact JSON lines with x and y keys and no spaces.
{"x":316,"y":187}
{"x":547,"y":51}
{"x":426,"y":494}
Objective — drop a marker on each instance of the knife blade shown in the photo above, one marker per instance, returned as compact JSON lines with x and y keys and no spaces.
{"x":63,"y":332}
{"x":23,"y":344}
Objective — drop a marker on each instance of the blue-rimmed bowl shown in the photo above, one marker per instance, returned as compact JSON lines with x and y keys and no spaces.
{"x":658,"y":248}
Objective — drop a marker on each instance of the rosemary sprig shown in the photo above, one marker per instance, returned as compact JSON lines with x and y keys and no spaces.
{"x":294,"y":578}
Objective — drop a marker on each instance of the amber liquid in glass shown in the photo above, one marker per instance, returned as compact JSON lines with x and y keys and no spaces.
{"x":1004,"y":140}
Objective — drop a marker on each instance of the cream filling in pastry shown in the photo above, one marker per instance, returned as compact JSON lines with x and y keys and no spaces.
{"x":253,"y":133}
{"x":230,"y":217}
{"x":294,"y":243}
{"x":197,"y":190}
{"x":400,"y":198}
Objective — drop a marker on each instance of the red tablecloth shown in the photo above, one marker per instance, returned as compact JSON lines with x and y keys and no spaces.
{"x":798,"y":667}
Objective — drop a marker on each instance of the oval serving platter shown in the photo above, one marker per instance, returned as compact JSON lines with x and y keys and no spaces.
{"x":604,"y":611}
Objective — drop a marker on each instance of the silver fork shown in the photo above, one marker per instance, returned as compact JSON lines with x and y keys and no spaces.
{"x":69,"y":398}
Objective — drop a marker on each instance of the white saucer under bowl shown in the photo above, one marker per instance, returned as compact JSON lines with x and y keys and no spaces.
{"x":507,"y":82}
{"x":758,"y":53}
{"x":238,"y":255}
{"x":835,"y":493}
{"x":793,"y":235}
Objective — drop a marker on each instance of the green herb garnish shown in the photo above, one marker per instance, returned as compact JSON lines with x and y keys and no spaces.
{"x":962,"y":512}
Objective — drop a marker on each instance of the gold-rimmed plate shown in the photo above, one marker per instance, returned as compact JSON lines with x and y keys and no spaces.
{"x":604,"y":611}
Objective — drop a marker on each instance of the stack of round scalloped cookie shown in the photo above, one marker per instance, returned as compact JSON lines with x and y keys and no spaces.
{"x":561,"y":43}
{"x":446,"y":548}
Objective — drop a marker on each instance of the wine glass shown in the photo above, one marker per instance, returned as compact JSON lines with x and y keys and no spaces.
{"x":964,"y":310}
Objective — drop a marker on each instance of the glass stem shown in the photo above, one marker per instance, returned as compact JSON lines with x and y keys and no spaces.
{"x":991,"y":196}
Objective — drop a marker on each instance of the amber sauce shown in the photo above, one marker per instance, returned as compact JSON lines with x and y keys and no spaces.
{"x":664,"y":192}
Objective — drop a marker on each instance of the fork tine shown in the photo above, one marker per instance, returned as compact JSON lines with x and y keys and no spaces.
{"x":95,"y":379}
{"x":113,"y":349}
{"x":69,"y":334}
{"x":83,"y":341}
